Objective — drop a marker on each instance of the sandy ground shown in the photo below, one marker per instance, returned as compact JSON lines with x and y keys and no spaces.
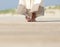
{"x":36,"y":34}
{"x":21,"y":18}
{"x":16,"y":32}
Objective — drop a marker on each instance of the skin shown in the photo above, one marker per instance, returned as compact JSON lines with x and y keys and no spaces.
{"x":31,"y":18}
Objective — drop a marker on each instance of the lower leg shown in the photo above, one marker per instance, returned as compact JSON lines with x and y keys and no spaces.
{"x":33,"y":17}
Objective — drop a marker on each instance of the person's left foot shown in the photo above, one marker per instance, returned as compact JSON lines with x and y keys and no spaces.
{"x":33,"y":17}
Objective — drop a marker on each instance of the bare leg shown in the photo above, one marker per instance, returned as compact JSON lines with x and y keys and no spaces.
{"x":33,"y":17}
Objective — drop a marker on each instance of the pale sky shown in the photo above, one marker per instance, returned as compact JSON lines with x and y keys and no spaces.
{"x":6,"y":4}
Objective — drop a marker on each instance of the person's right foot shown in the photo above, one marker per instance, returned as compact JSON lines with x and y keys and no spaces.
{"x":28,"y":19}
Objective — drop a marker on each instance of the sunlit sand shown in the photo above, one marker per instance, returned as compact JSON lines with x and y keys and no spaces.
{"x":15,"y":31}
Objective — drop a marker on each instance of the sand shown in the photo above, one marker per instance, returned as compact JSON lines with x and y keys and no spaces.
{"x":36,"y":34}
{"x":16,"y":32}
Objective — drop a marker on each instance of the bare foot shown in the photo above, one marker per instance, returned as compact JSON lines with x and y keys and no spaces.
{"x":31,"y":17}
{"x":28,"y":19}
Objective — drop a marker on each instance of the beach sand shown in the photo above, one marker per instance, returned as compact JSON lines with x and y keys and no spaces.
{"x":16,"y":32}
{"x":36,"y":34}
